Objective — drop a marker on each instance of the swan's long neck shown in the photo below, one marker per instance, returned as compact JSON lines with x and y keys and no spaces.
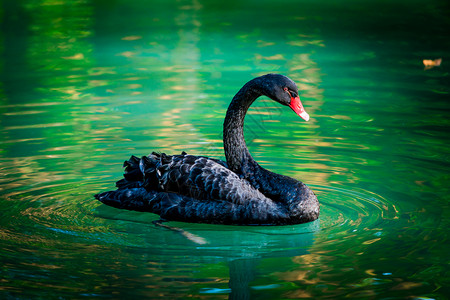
{"x":236,"y":151}
{"x":280,"y":189}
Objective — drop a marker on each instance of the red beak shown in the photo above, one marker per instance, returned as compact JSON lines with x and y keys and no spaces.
{"x":297,"y":107}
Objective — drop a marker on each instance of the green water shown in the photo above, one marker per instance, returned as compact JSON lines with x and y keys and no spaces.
{"x":85,"y":84}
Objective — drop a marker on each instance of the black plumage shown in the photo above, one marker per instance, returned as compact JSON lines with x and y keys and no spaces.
{"x":200,"y":189}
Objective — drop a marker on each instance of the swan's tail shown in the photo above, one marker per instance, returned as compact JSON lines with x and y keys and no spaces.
{"x":139,"y":171}
{"x":145,"y":171}
{"x":140,"y":189}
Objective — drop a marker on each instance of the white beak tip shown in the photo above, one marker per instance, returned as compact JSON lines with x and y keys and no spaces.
{"x":304,"y":115}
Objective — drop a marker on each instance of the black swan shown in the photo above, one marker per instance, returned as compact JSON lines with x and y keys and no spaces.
{"x":199,"y":189}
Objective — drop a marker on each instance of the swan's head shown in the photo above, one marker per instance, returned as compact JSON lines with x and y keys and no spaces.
{"x":283,"y":90}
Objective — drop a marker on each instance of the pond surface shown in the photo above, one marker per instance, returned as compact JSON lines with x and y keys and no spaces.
{"x":85,"y":84}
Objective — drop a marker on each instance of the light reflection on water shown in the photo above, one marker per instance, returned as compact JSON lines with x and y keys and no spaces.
{"x":80,"y":92}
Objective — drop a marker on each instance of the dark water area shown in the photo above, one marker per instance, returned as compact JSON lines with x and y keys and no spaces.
{"x":85,"y":84}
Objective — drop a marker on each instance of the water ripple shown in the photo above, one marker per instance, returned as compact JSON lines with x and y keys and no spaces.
{"x":351,"y":210}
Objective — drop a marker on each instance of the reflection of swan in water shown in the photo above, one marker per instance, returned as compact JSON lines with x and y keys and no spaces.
{"x":200,"y":189}
{"x":244,"y":257}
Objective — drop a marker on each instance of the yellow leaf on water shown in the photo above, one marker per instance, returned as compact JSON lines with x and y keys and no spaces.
{"x":431,"y":63}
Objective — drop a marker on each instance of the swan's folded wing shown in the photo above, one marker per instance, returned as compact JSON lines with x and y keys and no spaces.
{"x":197,"y":177}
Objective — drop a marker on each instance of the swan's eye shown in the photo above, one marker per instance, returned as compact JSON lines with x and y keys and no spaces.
{"x":287,"y":91}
